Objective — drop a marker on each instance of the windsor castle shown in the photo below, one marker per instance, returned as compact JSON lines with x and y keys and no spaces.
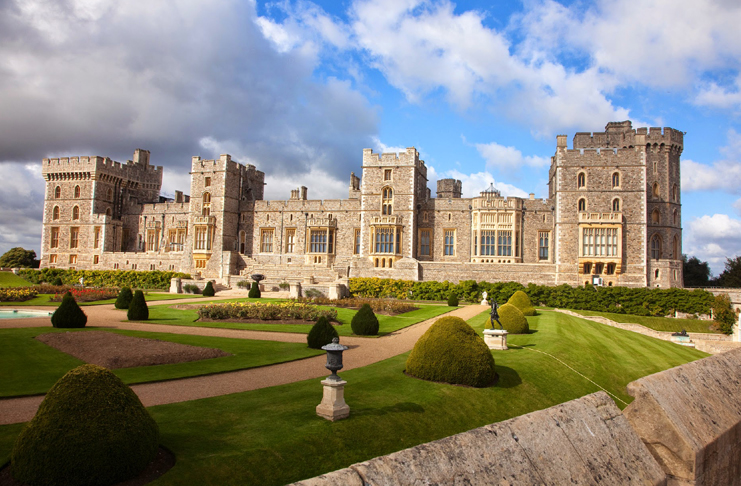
{"x":612,"y":217}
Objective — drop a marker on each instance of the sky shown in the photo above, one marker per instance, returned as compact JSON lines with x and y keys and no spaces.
{"x":299,"y":88}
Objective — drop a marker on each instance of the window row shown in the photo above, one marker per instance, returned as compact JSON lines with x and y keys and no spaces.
{"x":656,"y":248}
{"x":581,"y":180}
{"x":77,"y":193}
{"x":582,"y":205}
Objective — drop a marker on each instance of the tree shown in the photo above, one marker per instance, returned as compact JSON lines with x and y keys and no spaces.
{"x":696,"y":273}
{"x":19,"y":258}
{"x":731,"y":276}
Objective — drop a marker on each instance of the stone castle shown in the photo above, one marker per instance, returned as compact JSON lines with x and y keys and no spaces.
{"x":612,"y":217}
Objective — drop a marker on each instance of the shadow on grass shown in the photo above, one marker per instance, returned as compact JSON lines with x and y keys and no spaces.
{"x":508,"y":377}
{"x":403,"y":407}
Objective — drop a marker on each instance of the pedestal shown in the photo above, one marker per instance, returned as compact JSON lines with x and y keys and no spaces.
{"x":295,"y":290}
{"x":176,"y":286}
{"x":496,"y":339}
{"x":333,"y":406}
{"x":484,"y":302}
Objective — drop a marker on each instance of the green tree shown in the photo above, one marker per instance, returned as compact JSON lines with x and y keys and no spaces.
{"x":696,"y":273}
{"x":731,"y":276}
{"x":19,"y":258}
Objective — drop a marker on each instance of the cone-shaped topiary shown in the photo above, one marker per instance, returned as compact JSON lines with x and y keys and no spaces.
{"x":365,"y":322}
{"x":124,"y":298}
{"x":453,"y":300}
{"x":138,"y":310}
{"x":321,"y":333}
{"x":520,"y":300}
{"x":57,"y":282}
{"x":513,"y":320}
{"x":451,"y":352}
{"x":91,"y":429}
{"x":68,"y":314}
{"x":254,"y":291}
{"x":208,"y":290}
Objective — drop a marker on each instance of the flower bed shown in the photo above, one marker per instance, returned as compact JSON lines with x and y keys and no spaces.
{"x":17,"y":294}
{"x":265,"y":311}
{"x":87,"y":295}
{"x":384,"y":306}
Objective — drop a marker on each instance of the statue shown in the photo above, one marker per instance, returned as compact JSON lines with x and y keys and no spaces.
{"x":495,"y":315}
{"x":484,"y":296}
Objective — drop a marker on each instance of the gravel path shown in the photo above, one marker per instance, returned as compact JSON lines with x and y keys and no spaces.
{"x":362,"y":352}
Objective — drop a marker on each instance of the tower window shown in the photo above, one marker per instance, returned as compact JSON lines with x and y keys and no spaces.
{"x":616,"y":205}
{"x":615,"y":179}
{"x":207,"y":182}
{"x":76,"y":212}
{"x":77,"y":192}
{"x":387,"y":200}
{"x":387,"y":174}
{"x":55,"y":213}
{"x":581,"y":180}
{"x":582,"y":204}
{"x":57,"y":192}
{"x":656,"y":247}
{"x":655,"y":189}
{"x":655,"y":216}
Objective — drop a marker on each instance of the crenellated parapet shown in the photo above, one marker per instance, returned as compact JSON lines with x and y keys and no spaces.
{"x":408,"y":158}
{"x":622,"y":135}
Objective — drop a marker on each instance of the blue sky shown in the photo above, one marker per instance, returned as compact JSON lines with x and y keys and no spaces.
{"x":299,"y":88}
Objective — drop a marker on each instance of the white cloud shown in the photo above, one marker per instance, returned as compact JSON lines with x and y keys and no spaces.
{"x":509,"y":158}
{"x":723,"y":174}
{"x":713,"y":239}
{"x":21,"y":206}
{"x":720,"y":97}
{"x":321,"y":185}
{"x":473,"y":184}
{"x":382,"y":148}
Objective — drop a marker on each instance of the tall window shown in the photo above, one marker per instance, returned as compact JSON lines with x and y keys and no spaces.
{"x":449,"y":242}
{"x":387,"y":174}
{"x":266,"y":240}
{"x":543,"y":237}
{"x":109,"y":194}
{"x":76,"y":212}
{"x":655,"y":189}
{"x":290,"y":240}
{"x":615,"y":179}
{"x":655,"y":216}
{"x":206,"y":204}
{"x":73,"y":259}
{"x":57,"y":192}
{"x":207,"y":182}
{"x":385,"y":240}
{"x":54,"y":243}
{"x":600,"y":242}
{"x":387,"y":200}
{"x":675,"y":248}
{"x":424,"y":242}
{"x":74,"y":236}
{"x":77,"y":192}
{"x":202,"y":238}
{"x":675,"y":218}
{"x":675,"y":193}
{"x":55,"y":213}
{"x":504,"y":243}
{"x":582,"y":204}
{"x":488,"y":243}
{"x":53,"y":258}
{"x":356,"y":242}
{"x":96,"y":237}
{"x":321,"y":241}
{"x":153,"y":238}
{"x":656,"y":247}
{"x":616,"y":205}
{"x":581,"y":180}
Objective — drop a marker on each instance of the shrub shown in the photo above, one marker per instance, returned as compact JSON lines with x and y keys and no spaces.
{"x":723,"y":314}
{"x":513,"y":320}
{"x":321,"y":334}
{"x":520,"y":300}
{"x":265,"y":311}
{"x":365,"y":322}
{"x":208,"y":290}
{"x":91,"y":429}
{"x":154,"y":279}
{"x":284,"y":286}
{"x":124,"y":298}
{"x":17,"y":294}
{"x":451,"y":352}
{"x":191,"y":288}
{"x":254,"y":291}
{"x":68,"y":314}
{"x":138,"y":310}
{"x":453,"y":300}
{"x":57,"y":281}
{"x":378,"y":305}
{"x":86,"y":295}
{"x":243,"y":284}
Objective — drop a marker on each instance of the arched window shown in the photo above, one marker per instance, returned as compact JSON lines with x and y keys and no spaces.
{"x":57,"y":192}
{"x":206,"y":198}
{"x":656,"y":247}
{"x":675,"y":218}
{"x":76,"y":212}
{"x":616,"y":205}
{"x":77,"y":192}
{"x":582,"y":204}
{"x":109,"y":194}
{"x":655,"y":216}
{"x":675,"y":193}
{"x":387,"y":200}
{"x":615,"y":179}
{"x":655,"y":190}
{"x":675,"y":247}
{"x":206,"y":211}
{"x":55,"y":213}
{"x":107,"y":211}
{"x":581,"y":180}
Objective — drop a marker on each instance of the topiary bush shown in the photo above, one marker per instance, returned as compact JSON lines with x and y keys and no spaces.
{"x":321,"y":333}
{"x":520,"y":300}
{"x":254,"y":291}
{"x":453,"y":300}
{"x":124,"y":298}
{"x":208,"y":290}
{"x":91,"y":429}
{"x":513,"y":320}
{"x":57,"y":281}
{"x":365,"y":322}
{"x":68,"y":314}
{"x":138,"y":310}
{"x":451,"y":352}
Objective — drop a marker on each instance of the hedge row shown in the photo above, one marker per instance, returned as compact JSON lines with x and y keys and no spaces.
{"x":265,"y":311}
{"x":104,"y":278}
{"x":621,"y":300}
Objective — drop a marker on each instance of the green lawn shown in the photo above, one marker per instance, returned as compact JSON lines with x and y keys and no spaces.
{"x":272,"y":436}
{"x":656,"y":323}
{"x":9,"y":279}
{"x":43,"y":299}
{"x":28,"y":366}
{"x":166,"y":314}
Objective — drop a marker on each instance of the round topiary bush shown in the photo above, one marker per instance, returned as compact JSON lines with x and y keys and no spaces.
{"x":91,"y":429}
{"x":513,"y":320}
{"x":138,"y":310}
{"x":57,"y":281}
{"x":451,"y":352}
{"x":321,"y":333}
{"x":254,"y":291}
{"x":365,"y":322}
{"x":520,"y":300}
{"x":453,"y":300}
{"x":68,"y":314}
{"x":208,"y":290}
{"x":124,"y":298}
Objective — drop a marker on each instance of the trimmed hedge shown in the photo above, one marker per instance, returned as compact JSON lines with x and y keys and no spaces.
{"x":91,"y":429}
{"x":208,"y":290}
{"x":451,"y":352}
{"x":321,"y":334}
{"x":138,"y":309}
{"x":68,"y":314}
{"x":513,"y":320}
{"x":124,"y":298}
{"x":254,"y":292}
{"x":520,"y":300}
{"x":453,"y":300}
{"x":154,"y":279}
{"x":365,"y":322}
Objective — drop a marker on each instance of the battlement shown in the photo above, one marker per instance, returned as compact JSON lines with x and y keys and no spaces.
{"x":449,"y":188}
{"x":92,"y":167}
{"x":408,"y":158}
{"x":622,"y":135}
{"x":223,"y":163}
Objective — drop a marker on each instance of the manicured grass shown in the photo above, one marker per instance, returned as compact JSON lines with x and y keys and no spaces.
{"x":43,"y":300}
{"x":656,"y":323}
{"x":28,"y":366}
{"x":272,"y":436}
{"x":165,"y":314}
{"x":9,"y":279}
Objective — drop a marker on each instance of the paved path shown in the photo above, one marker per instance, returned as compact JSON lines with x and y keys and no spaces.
{"x":362,"y":352}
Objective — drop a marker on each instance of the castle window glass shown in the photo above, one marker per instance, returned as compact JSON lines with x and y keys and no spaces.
{"x":424,"y":242}
{"x":266,"y":240}
{"x":675,"y":193}
{"x":207,"y":181}
{"x":55,"y":213}
{"x":74,"y":236}
{"x":387,"y":174}
{"x":656,"y":247}
{"x":77,"y":192}
{"x":153,"y":238}
{"x":202,"y":238}
{"x":543,"y":239}
{"x":96,"y":237}
{"x":384,"y":240}
{"x":57,"y":192}
{"x":318,"y":241}
{"x":582,"y":205}
{"x":615,"y":180}
{"x":504,"y":243}
{"x":290,"y":240}
{"x":581,"y":180}
{"x":76,"y":212}
{"x":73,"y":259}
{"x":616,"y":205}
{"x":356,"y":242}
{"x":387,"y":200}
{"x":675,"y":248}
{"x":449,"y":242}
{"x":488,"y":243}
{"x":53,"y":258}
{"x":96,"y":259}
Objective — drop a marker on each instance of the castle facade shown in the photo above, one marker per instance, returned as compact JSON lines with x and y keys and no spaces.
{"x":612,"y":217}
